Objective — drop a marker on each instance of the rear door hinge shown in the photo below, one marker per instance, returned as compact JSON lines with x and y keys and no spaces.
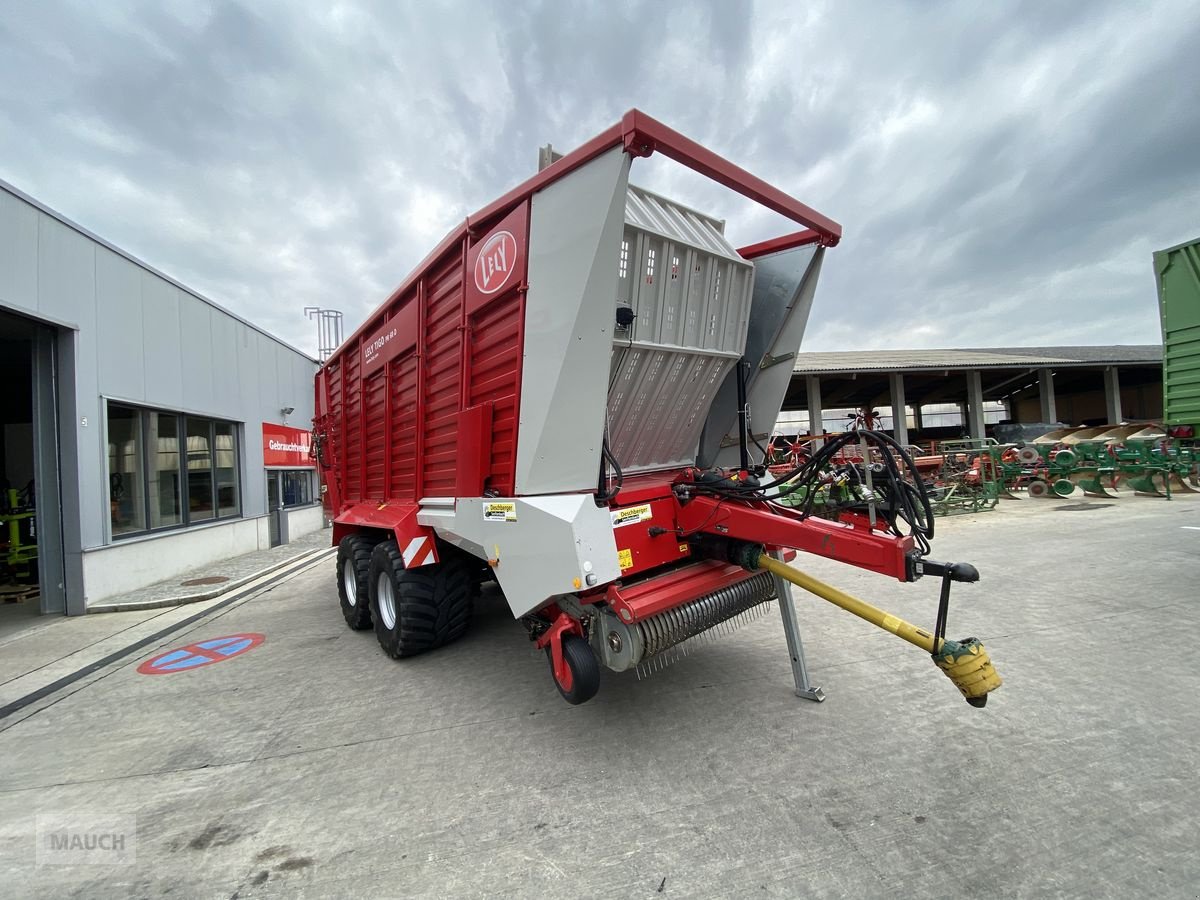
{"x":768,"y":360}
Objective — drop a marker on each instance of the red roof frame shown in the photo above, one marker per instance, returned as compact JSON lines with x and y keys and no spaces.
{"x":640,"y":135}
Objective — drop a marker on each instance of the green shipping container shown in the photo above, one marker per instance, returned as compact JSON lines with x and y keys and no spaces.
{"x":1177,"y":271}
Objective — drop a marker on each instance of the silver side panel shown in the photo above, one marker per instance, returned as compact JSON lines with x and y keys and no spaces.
{"x":691,"y":294}
{"x":650,"y":212}
{"x":783,"y":294}
{"x":657,"y":403}
{"x":545,"y":546}
{"x":575,"y":233}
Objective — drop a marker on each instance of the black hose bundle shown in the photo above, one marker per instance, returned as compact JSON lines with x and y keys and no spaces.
{"x":907,"y":499}
{"x":618,"y":476}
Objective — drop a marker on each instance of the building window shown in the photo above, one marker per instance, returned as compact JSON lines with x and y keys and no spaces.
{"x":200,"y":470}
{"x":166,"y":503}
{"x":225,"y":445}
{"x":941,"y":415}
{"x":126,"y":499}
{"x":295,"y":486}
{"x":169,"y":470}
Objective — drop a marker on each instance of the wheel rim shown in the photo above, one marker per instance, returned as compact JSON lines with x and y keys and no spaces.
{"x":350,"y":583}
{"x":387,"y":601}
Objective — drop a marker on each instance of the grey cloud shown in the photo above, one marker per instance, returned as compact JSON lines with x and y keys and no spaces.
{"x":1002,"y":170}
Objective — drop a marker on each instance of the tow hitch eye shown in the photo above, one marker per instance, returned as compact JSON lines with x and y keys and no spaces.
{"x":968,"y":665}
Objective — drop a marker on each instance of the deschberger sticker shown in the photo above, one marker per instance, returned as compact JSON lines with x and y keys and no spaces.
{"x":499,"y":512}
{"x":631,"y":515}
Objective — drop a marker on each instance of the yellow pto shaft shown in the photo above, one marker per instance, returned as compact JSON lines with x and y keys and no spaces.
{"x":966,"y":663}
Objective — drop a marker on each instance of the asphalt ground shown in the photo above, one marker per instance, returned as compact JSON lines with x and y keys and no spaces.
{"x":314,"y":766}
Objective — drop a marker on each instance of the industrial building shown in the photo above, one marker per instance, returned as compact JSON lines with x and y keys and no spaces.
{"x":960,"y":393}
{"x":144,"y":430}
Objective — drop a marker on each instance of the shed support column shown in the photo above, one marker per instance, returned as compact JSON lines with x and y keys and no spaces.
{"x":1046,"y":395}
{"x":975,"y":404}
{"x":899,"y":409}
{"x":1112,"y":395}
{"x":815,"y":419}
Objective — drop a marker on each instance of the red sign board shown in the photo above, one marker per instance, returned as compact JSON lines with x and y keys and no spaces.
{"x":496,"y":263}
{"x":391,"y":339}
{"x":284,"y":446}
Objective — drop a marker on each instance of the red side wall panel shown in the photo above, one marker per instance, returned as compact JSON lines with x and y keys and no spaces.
{"x":450,"y":341}
{"x":403,"y":468}
{"x":352,"y":441}
{"x":495,"y":335}
{"x":442,"y":370}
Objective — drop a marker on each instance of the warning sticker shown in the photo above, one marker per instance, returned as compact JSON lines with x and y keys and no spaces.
{"x":499,"y":512}
{"x":625,"y":558}
{"x":631,"y":515}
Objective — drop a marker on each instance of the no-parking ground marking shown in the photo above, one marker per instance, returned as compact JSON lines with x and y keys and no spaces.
{"x":201,"y":653}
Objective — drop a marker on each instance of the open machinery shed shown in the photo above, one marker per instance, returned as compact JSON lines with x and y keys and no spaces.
{"x":1076,"y":385}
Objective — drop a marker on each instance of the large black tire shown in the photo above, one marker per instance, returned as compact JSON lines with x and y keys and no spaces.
{"x":353,"y":564}
{"x":415,"y":610}
{"x":585,"y":670}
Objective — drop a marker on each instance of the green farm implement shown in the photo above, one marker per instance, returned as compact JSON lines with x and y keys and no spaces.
{"x":1106,"y":460}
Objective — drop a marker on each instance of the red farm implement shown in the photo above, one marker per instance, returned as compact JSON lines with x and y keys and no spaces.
{"x":560,"y":398}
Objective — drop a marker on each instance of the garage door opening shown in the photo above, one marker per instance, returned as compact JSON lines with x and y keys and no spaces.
{"x":31,"y":561}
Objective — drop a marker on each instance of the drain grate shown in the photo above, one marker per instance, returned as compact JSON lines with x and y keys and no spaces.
{"x":209,"y":579}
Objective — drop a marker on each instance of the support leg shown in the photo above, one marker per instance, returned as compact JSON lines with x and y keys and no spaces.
{"x":791,"y":629}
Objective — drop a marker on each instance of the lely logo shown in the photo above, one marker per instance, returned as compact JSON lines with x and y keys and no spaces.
{"x":496,"y":262}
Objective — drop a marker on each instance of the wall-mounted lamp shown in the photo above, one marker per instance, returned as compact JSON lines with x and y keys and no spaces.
{"x":288,"y":410}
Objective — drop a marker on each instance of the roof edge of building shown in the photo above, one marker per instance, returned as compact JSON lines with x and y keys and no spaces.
{"x":142,"y":264}
{"x":833,"y":362}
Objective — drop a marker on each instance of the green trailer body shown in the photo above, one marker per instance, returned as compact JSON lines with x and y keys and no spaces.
{"x":1177,"y":271}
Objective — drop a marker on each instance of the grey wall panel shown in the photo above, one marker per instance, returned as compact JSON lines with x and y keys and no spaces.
{"x":66,"y":263}
{"x":283,"y":391}
{"x":122,"y":368}
{"x":253,"y":485}
{"x":268,"y":390}
{"x":66,"y":271}
{"x":90,"y":432}
{"x":302,"y":389}
{"x":160,"y":352}
{"x":248,"y":348}
{"x":196,"y":354}
{"x":18,"y":253}
{"x":225,"y":360}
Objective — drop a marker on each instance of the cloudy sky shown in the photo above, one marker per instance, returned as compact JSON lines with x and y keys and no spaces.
{"x":1002,"y":170}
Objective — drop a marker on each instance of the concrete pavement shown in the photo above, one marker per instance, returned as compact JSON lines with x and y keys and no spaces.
{"x":314,"y":766}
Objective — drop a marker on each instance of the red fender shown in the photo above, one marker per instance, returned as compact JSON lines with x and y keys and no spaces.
{"x":417,"y":543}
{"x":561,"y":624}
